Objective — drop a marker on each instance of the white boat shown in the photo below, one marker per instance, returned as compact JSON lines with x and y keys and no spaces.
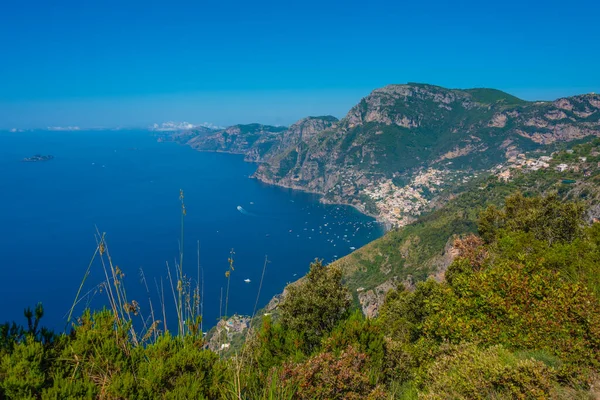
{"x":247,"y":280}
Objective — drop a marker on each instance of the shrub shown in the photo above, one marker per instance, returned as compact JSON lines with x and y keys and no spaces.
{"x":174,"y":365}
{"x":548,"y":218}
{"x":521,"y":307}
{"x":314,"y":306}
{"x":326,"y":376}
{"x":24,"y":370}
{"x":365,"y":335}
{"x":469,"y":372}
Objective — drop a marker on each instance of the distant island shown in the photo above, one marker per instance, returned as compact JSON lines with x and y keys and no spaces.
{"x":38,"y":158}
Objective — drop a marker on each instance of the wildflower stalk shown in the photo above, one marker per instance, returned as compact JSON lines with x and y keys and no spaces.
{"x":202,"y":301}
{"x":85,"y":276}
{"x":117,"y":278}
{"x":180,"y":287}
{"x":245,"y":347}
{"x":221,"y":304}
{"x":228,"y":276}
{"x":197,"y":299}
{"x":111,"y":298}
{"x":154,"y":322}
{"x":260,"y":286}
{"x":179,"y":321}
{"x":162,"y":302}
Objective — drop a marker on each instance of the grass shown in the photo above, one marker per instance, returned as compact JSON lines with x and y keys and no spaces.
{"x":187,"y":297}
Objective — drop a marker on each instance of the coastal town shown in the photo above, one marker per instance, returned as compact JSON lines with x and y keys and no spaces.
{"x":399,"y":205}
{"x":520,"y":162}
{"x":227,"y":331}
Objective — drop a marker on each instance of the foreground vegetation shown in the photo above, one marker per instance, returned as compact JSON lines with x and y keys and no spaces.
{"x":517,"y":316}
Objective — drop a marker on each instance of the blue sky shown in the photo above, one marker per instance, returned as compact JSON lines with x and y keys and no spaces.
{"x":107,"y":63}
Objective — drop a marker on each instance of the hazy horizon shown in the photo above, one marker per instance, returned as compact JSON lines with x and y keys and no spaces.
{"x":64,"y":114}
{"x":132,"y":64}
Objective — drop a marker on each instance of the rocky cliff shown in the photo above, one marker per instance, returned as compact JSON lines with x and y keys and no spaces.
{"x":403,"y":146}
{"x":253,"y":140}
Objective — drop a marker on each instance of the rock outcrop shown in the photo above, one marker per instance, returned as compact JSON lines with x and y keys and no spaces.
{"x":395,"y":134}
{"x":399,"y":130}
{"x":252,"y":140}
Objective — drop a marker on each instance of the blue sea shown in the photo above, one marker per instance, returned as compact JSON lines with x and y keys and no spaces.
{"x":127,"y":184}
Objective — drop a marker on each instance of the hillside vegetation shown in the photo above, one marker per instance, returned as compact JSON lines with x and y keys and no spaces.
{"x":424,"y":248}
{"x":517,"y":316}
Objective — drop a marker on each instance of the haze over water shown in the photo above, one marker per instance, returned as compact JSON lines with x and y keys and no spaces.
{"x":128,"y":185}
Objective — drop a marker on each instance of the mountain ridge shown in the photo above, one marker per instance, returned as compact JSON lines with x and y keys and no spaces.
{"x":402,"y":133}
{"x":401,"y":147}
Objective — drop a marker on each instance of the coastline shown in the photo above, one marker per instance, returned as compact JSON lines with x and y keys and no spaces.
{"x":387,"y":225}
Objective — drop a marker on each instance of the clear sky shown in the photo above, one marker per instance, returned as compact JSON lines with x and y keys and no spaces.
{"x":129,"y":62}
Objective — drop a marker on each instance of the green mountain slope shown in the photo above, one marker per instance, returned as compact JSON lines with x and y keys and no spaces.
{"x":400,"y":149}
{"x":395,"y":151}
{"x":424,"y":248}
{"x":493,"y":96}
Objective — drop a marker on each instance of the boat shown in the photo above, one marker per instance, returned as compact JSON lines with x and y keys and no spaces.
{"x":247,"y":280}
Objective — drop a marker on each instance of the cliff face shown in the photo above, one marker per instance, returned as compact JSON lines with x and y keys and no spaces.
{"x":407,"y":142}
{"x":257,"y":142}
{"x":402,"y":146}
{"x":300,"y":132}
{"x":253,"y":140}
{"x":185,"y":136}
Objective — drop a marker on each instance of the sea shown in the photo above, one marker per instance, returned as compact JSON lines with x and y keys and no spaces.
{"x":126,"y":185}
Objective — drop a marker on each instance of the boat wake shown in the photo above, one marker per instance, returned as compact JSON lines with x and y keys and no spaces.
{"x":245,"y":212}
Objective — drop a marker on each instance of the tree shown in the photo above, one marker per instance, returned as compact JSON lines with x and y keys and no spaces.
{"x":547,"y":218}
{"x":315,"y":305}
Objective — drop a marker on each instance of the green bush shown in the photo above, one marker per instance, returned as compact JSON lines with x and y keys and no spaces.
{"x":547,"y":218}
{"x":363,"y":334}
{"x":24,"y":370}
{"x":315,"y":305}
{"x":469,"y":372}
